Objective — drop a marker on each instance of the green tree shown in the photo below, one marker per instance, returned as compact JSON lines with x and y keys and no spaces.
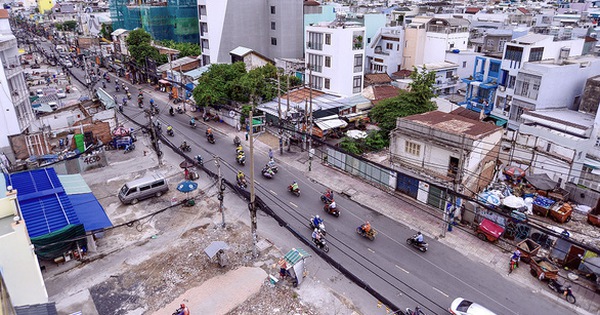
{"x":58,"y":26}
{"x":70,"y":25}
{"x":416,"y":101}
{"x":139,"y":46}
{"x":215,"y":85}
{"x":185,"y":49}
{"x":351,"y":145}
{"x":106,"y":30}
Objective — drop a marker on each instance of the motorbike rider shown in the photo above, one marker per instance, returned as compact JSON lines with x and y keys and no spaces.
{"x":169,"y":129}
{"x":516,"y":256}
{"x":151,"y":101}
{"x":419,"y":238}
{"x":331,"y":206}
{"x":294,"y":186}
{"x":103,"y":85}
{"x":208,"y":131}
{"x":329,"y":194}
{"x":366,"y":227}
{"x":237,"y":140}
{"x":316,"y":236}
{"x":271,"y":164}
{"x":316,"y":220}
{"x":240,"y":155}
{"x":184,"y":146}
{"x":171,"y":111}
{"x":183,"y":310}
{"x":241,"y":178}
{"x":239,"y":149}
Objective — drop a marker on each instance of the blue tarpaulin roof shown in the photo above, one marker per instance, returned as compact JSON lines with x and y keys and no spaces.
{"x":89,"y":211}
{"x":44,"y":204}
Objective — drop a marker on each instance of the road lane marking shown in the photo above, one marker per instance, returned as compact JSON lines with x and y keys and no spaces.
{"x":402,"y":269}
{"x":293,"y":204}
{"x":274,"y":193}
{"x":372,"y":251}
{"x":442,"y":293}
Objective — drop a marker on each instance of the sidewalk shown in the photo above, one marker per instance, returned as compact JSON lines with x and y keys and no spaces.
{"x":417,"y":216}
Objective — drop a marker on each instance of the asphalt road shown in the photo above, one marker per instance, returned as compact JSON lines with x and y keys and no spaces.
{"x":399,"y":272}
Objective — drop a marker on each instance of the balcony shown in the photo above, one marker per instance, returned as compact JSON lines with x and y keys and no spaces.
{"x":314,"y":45}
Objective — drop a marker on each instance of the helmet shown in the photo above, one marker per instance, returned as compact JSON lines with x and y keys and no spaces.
{"x":182,"y":305}
{"x":317,"y":230}
{"x":418,"y":233}
{"x":240,"y":172}
{"x":317,"y":216}
{"x":295,"y":182}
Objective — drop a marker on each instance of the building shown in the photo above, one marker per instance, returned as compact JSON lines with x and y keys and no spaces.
{"x":45,"y":5}
{"x":272,"y":28}
{"x":175,"y":20}
{"x":482,"y":85}
{"x":384,"y":53}
{"x":491,"y":42}
{"x":17,"y":115}
{"x":335,"y":54}
{"x":249,"y":57}
{"x":119,"y":39}
{"x":447,"y":149}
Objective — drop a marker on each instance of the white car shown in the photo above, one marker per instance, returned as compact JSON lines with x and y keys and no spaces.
{"x":461,"y":306}
{"x":39,"y":92}
{"x":61,"y":93}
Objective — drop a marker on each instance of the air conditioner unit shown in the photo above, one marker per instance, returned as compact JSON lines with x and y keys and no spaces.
{"x":502,"y":88}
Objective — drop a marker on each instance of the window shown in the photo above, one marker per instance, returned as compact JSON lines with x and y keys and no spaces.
{"x":514,"y":54}
{"x":464,"y":64}
{"x":144,"y":188}
{"x":158,"y":184}
{"x":495,"y":67}
{"x":327,"y":61}
{"x":272,"y":9}
{"x":528,"y":85}
{"x":490,"y":42}
{"x":536,"y":54}
{"x":273,"y":41}
{"x":315,"y":62}
{"x":357,"y":84}
{"x":389,"y":46}
{"x":501,"y":44}
{"x":453,"y":167}
{"x":327,"y":39}
{"x":412,"y":148}
{"x":327,"y":83}
{"x":273,"y":26}
{"x":597,"y":143}
{"x":449,"y":74}
{"x":315,"y":41}
{"x":358,"y":62}
{"x":511,"y":81}
{"x":548,"y":147}
{"x":316,"y":82}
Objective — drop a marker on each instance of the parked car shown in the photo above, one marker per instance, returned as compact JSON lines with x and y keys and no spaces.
{"x":39,"y":92}
{"x":61,"y":93}
{"x":461,"y":306}
{"x":67,"y":63}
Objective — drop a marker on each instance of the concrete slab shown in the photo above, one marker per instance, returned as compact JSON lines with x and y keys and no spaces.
{"x":221,"y":294}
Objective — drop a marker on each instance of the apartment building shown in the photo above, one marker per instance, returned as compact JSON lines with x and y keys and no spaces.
{"x":384,"y":53}
{"x":273,"y":28}
{"x":17,"y":115}
{"x":335,"y":55}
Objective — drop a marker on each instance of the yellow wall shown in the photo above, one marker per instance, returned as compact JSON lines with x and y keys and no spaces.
{"x":45,"y":5}
{"x":7,"y":207}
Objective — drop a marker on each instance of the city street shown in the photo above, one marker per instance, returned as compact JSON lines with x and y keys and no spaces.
{"x":397,"y":271}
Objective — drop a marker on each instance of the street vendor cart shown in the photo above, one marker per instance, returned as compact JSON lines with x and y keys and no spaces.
{"x":292,"y":266}
{"x":528,"y":248}
{"x":542,"y":268}
{"x":561,"y":214}
{"x":488,"y":231}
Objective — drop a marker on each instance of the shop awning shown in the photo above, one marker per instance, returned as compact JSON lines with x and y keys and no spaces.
{"x":330,"y":122}
{"x":161,"y":81}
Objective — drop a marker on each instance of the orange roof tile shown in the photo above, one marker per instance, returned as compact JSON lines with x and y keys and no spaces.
{"x":3,"y":14}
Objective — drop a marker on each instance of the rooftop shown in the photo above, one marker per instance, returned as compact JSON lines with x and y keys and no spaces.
{"x":530,"y":39}
{"x":557,"y":117}
{"x":454,"y":124}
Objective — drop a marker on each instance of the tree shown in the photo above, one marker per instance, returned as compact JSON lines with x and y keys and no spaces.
{"x":215,"y":85}
{"x":106,"y":30}
{"x":58,"y":26}
{"x":185,"y":49}
{"x":415,"y":101}
{"x":70,"y":25}
{"x":139,"y":46}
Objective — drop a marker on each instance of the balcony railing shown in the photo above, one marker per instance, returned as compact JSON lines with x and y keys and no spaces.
{"x":314,"y":45}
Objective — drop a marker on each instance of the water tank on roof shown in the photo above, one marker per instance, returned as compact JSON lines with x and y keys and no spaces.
{"x":455,"y":51}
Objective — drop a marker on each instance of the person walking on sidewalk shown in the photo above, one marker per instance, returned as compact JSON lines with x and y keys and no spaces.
{"x":270,"y":154}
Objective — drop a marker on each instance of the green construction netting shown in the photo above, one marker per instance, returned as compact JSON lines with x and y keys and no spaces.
{"x":55,"y":244}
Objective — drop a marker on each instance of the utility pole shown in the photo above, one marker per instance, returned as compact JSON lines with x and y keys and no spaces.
{"x":279,"y":113}
{"x":252,"y":206}
{"x":221,"y":191}
{"x":154,"y":139}
{"x":310,"y":150}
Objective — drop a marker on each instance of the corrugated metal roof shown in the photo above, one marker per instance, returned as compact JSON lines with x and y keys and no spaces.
{"x":454,"y":124}
{"x":43,"y":201}
{"x":89,"y":211}
{"x":531,"y":38}
{"x":295,"y":255}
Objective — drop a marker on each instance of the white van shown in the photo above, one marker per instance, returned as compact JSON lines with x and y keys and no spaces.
{"x":134,"y":191}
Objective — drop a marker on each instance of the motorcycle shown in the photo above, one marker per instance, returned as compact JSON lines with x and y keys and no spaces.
{"x":193,"y":125}
{"x":333,"y":211}
{"x":117,"y":88}
{"x":321,"y":244}
{"x":321,"y":227}
{"x":129,"y":148}
{"x":171,"y":112}
{"x":411,"y":241}
{"x":512,"y":265}
{"x":326,"y":199}
{"x":170,"y":132}
{"x":140,"y":103}
{"x":179,"y":110}
{"x":121,"y":108}
{"x":200,"y":160}
{"x":242,"y":183}
{"x":128,"y":95}
{"x":565,"y":290}
{"x":370,"y":235}
{"x":417,"y":311}
{"x":104,"y":85}
{"x":267,"y":172}
{"x":294,"y":191}
{"x":237,"y":141}
{"x":185,"y":148}
{"x":211,"y":138}
{"x":241,"y":159}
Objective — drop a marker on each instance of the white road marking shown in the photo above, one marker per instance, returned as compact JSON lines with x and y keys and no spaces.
{"x":442,"y":293}
{"x":402,"y":269}
{"x":372,"y":251}
{"x":274,"y":193}
{"x":293,"y":204}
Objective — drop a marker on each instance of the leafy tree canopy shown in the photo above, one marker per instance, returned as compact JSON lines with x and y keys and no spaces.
{"x":70,"y":25}
{"x":185,"y":49}
{"x":106,"y":30}
{"x":416,"y":101}
{"x":139,"y":46}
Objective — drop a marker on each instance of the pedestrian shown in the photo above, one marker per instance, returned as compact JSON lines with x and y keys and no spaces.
{"x":282,"y":268}
{"x":246,"y":135}
{"x":270,"y":154}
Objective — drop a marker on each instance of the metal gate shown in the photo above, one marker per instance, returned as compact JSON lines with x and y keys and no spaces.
{"x":407,"y":185}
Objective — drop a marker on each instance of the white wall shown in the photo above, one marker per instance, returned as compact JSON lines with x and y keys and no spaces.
{"x":9,"y":125}
{"x":63,"y":118}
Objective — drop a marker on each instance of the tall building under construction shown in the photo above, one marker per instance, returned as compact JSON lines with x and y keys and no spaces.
{"x":175,"y":20}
